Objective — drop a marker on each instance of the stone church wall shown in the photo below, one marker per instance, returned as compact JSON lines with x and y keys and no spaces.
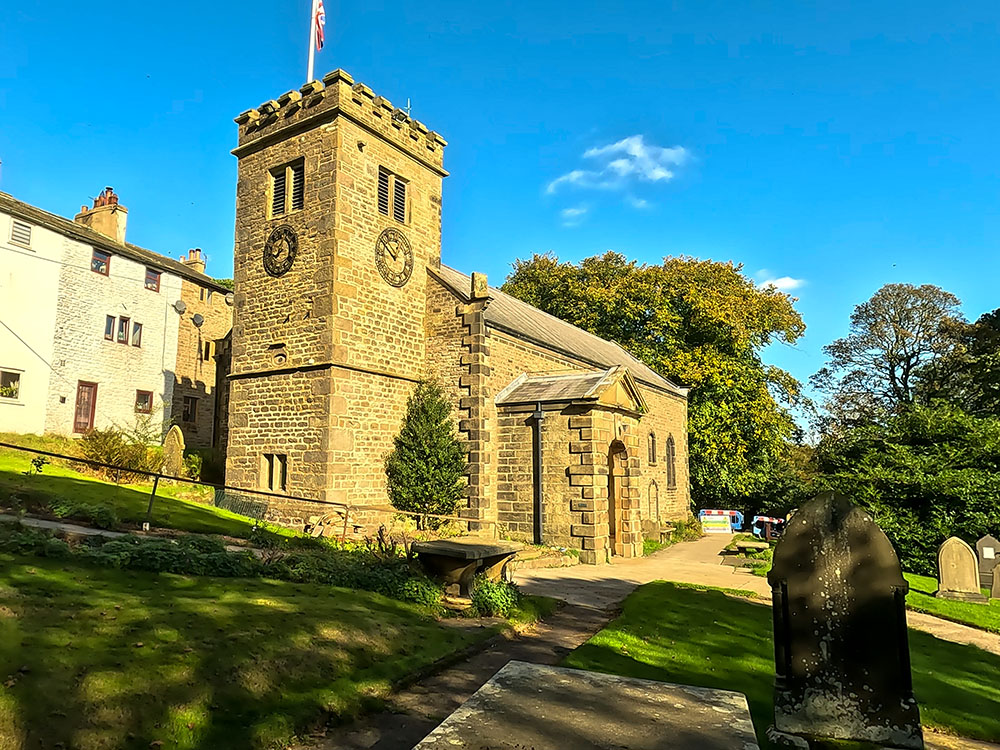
{"x":667,"y":417}
{"x":271,"y":426}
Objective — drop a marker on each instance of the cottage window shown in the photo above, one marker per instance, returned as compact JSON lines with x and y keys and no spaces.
{"x":671,"y":463}
{"x":10,"y":385}
{"x":109,"y":327}
{"x":190,"y":411}
{"x":391,"y":195}
{"x":143,"y":402}
{"x":274,"y":472}
{"x":137,"y":334}
{"x":100,"y":262}
{"x":152,"y":280}
{"x":123,"y":330}
{"x":20,"y":233}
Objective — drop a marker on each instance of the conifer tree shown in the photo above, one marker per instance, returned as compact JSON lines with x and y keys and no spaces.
{"x":427,"y":463}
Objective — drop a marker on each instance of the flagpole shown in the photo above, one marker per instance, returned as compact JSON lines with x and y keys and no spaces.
{"x":312,"y":40}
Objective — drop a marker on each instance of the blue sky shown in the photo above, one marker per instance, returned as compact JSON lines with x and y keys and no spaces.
{"x":834,"y":146}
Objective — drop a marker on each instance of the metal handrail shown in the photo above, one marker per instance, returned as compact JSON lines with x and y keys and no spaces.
{"x":158,"y":475}
{"x":344,"y":507}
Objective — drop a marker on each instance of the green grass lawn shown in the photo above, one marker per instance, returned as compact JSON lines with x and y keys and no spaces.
{"x":707,"y":638}
{"x":176,"y":505}
{"x":921,"y":598}
{"x":98,"y":658}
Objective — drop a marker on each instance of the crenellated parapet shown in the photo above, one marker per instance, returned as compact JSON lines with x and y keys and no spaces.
{"x":336,"y":95}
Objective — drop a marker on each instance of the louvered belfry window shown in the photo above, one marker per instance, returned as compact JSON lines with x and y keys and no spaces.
{"x":383,"y":192}
{"x":298,"y":173}
{"x":288,"y":188}
{"x":399,"y":201}
{"x":391,"y":195}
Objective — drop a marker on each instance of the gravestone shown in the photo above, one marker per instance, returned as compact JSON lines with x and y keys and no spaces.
{"x":173,"y":452}
{"x":842,"y":662}
{"x":989,"y":555}
{"x":995,"y":591}
{"x":958,"y":572}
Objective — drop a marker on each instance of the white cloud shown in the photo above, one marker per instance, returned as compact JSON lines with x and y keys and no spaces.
{"x":766,"y":279}
{"x":637,"y":202}
{"x":619,"y":164}
{"x":573,"y":216}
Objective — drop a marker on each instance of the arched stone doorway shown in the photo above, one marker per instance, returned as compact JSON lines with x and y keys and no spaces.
{"x":617,"y":463}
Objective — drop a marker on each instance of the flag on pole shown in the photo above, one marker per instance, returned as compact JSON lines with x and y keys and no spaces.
{"x":320,"y":21}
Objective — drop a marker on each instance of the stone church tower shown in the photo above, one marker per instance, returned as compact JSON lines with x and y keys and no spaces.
{"x":342,"y":305}
{"x":338,"y":216}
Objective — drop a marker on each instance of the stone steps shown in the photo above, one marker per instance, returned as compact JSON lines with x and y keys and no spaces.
{"x":533,"y":558}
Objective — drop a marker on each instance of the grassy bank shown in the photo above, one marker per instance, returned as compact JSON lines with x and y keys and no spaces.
{"x":98,"y":658}
{"x":178,"y":506}
{"x":921,"y":598}
{"x":710,"y":639}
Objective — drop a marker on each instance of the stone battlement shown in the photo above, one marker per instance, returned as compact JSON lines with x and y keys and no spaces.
{"x":321,"y":101}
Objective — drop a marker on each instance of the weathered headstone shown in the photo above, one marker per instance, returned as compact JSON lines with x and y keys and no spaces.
{"x":995,"y":591}
{"x":173,"y":452}
{"x":842,"y":662}
{"x":958,"y":572}
{"x":988,"y":550}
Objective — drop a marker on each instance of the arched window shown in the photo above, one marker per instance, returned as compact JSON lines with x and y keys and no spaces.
{"x":671,"y":463}
{"x":653,"y":502}
{"x":652,"y":447}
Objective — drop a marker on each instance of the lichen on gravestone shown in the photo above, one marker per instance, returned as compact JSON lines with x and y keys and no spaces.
{"x":842,"y":667}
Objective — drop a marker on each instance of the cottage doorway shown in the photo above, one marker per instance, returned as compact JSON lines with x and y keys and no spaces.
{"x":617,"y":457}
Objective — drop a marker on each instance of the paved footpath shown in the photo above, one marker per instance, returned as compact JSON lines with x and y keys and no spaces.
{"x":414,"y":711}
{"x":600,"y":587}
{"x":604,"y":586}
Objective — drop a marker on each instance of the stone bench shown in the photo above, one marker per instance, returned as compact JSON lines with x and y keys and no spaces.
{"x":460,"y":560}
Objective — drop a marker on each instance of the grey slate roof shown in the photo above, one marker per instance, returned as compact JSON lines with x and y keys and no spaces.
{"x":520,"y":319}
{"x":86,"y":235}
{"x":554,"y":386}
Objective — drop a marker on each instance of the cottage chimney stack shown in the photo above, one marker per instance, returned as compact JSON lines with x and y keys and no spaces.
{"x":194,"y":260}
{"x":107,"y":217}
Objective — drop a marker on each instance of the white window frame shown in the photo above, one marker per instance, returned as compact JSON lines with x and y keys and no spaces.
{"x":19,"y":398}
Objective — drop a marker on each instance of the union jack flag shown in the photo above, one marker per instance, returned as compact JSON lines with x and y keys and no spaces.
{"x":320,"y":20}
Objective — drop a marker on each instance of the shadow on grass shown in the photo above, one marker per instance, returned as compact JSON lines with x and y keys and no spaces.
{"x":708,"y":639}
{"x":98,"y":658}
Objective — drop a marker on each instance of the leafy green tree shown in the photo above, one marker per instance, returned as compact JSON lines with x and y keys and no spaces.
{"x":895,"y":337}
{"x":968,"y":375}
{"x":926,"y":473}
{"x":426,"y":466}
{"x":702,"y":324}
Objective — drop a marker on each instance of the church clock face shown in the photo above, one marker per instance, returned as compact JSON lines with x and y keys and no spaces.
{"x":279,"y":250}
{"x":394,"y":256}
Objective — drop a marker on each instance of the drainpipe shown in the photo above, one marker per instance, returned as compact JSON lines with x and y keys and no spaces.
{"x":539,"y":416}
